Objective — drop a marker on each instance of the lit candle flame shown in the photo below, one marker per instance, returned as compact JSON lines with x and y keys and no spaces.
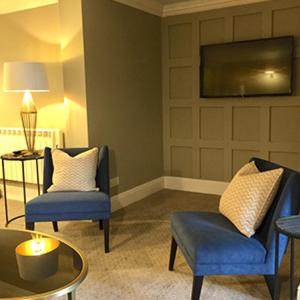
{"x":37,"y":246}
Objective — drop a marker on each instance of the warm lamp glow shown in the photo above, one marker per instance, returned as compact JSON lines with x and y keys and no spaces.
{"x":271,"y":73}
{"x":66,"y":102}
{"x":26,"y":77}
{"x":37,"y":246}
{"x":28,"y":104}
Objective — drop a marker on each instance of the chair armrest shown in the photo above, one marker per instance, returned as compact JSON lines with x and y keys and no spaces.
{"x":48,"y":169}
{"x":102,"y":178}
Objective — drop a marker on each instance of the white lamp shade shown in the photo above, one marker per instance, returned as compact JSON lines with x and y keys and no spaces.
{"x":24,"y":76}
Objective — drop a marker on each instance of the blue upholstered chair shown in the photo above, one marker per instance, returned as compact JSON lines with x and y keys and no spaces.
{"x":62,"y":206}
{"x":212,"y":245}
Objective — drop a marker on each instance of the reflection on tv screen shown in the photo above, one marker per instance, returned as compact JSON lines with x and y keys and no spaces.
{"x":248,"y":68}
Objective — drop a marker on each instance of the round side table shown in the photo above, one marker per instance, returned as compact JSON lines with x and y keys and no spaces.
{"x":39,"y":270}
{"x":20,"y":158}
{"x":289,"y":226}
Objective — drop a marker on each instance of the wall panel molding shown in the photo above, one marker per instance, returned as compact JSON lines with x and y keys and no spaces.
{"x":233,"y":128}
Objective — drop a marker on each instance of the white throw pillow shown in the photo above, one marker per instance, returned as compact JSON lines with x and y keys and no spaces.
{"x":248,"y":197}
{"x":76,"y":173}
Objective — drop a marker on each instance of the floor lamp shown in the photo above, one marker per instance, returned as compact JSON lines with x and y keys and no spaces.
{"x":26,"y":77}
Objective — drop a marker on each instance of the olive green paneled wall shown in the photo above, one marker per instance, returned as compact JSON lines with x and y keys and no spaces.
{"x":212,"y":138}
{"x":123,"y":86}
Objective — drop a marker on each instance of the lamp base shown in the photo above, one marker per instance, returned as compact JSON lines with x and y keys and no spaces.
{"x":29,"y":126}
{"x":29,"y":117}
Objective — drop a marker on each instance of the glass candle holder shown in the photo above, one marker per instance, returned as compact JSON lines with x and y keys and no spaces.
{"x":37,"y":258}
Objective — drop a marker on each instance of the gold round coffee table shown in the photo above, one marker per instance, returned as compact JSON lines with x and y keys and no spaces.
{"x":35,"y":265}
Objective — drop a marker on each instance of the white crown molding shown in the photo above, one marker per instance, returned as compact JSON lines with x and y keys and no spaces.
{"x":183,"y":7}
{"x":192,"y":6}
{"x":149,"y":6}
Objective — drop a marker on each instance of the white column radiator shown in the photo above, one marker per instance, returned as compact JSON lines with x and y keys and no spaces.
{"x":12,"y":139}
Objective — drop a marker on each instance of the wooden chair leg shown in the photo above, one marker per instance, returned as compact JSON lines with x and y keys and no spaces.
{"x":197,"y":285}
{"x":30,"y":226}
{"x":273,"y":286}
{"x":101,"y":224}
{"x":106,"y":235}
{"x":55,"y":226}
{"x":172,"y":254}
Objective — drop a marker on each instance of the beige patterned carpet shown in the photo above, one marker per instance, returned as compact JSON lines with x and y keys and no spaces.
{"x":137,"y":266}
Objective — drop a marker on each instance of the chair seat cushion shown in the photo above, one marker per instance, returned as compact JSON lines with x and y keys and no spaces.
{"x":210,"y":238}
{"x":68,"y":202}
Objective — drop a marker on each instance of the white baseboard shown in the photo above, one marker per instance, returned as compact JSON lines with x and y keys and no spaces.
{"x":15,"y":191}
{"x":137,"y":193}
{"x":167,"y":182}
{"x":195,"y":185}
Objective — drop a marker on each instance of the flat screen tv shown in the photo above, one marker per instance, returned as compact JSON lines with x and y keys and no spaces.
{"x":248,"y":68}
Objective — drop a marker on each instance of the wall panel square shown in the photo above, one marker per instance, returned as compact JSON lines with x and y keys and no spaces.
{"x":212,"y":31}
{"x":286,"y":159}
{"x":287,"y":22}
{"x":181,"y":83}
{"x":241,"y":157}
{"x":180,"y":40}
{"x":247,"y":27}
{"x":285,"y":124}
{"x":181,"y":161}
{"x":181,"y":122}
{"x":212,"y":123}
{"x":246,"y":124}
{"x":212,"y":164}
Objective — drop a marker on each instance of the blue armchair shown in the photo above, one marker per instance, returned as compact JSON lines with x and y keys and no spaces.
{"x":62,"y":206}
{"x":212,"y":245}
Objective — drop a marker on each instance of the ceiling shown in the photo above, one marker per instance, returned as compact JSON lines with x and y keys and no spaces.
{"x":161,"y":8}
{"x":8,"y":6}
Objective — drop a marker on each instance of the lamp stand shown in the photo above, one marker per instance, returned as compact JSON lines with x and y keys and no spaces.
{"x":29,"y":117}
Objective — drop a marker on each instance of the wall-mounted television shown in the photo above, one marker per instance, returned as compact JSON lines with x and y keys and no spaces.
{"x":248,"y":68}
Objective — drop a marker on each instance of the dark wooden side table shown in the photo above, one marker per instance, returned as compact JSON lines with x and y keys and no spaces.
{"x":20,"y":158}
{"x":289,"y":226}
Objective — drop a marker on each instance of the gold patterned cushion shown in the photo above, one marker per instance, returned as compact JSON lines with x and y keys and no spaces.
{"x":248,"y":197}
{"x":76,"y":173}
{"x":247,"y":169}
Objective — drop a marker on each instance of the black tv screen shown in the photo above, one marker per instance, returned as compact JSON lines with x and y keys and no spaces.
{"x":248,"y":68}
